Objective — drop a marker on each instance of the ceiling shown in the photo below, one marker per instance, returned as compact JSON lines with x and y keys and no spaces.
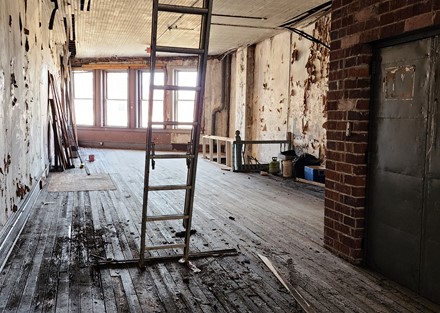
{"x":121,"y":28}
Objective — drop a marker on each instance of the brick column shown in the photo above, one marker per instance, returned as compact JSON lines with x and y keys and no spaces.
{"x":355,"y":25}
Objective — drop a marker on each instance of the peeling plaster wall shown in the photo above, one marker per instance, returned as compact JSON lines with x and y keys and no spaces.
{"x":213,"y":99}
{"x":290,"y":82}
{"x":308,"y":89}
{"x":25,"y":58}
{"x":239,"y":108}
{"x":271,"y":90}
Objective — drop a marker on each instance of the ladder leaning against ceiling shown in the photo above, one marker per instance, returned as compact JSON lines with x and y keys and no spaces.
{"x":191,"y":156}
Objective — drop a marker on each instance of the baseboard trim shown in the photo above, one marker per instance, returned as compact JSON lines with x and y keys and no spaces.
{"x":15,"y":225}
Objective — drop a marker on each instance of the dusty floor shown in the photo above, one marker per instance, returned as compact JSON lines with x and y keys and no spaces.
{"x":52,"y":266}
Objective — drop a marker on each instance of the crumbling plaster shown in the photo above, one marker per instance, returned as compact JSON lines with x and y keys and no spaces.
{"x":25,"y":58}
{"x":290,"y":79}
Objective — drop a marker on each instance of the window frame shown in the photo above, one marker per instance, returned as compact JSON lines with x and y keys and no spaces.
{"x":105,"y":99}
{"x":140,"y":98}
{"x":91,"y":99}
{"x":175,"y":100}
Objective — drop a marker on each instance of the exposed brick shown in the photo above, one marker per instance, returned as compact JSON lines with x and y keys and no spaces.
{"x":330,"y":184}
{"x":362,"y":104}
{"x":360,"y":169}
{"x":335,"y":115}
{"x":356,"y":28}
{"x":349,"y":41}
{"x":360,"y":126}
{"x":418,"y":22}
{"x":350,"y":83}
{"x":335,"y":135}
{"x":358,"y":137}
{"x":335,"y":44}
{"x":353,"y":201}
{"x":358,"y":115}
{"x":360,"y":223}
{"x":336,"y":156}
{"x":332,"y":214}
{"x":437,"y":18}
{"x":334,"y":95}
{"x":347,"y":241}
{"x":357,"y":233}
{"x":331,"y":106}
{"x":352,"y":158}
{"x":342,"y":188}
{"x":337,"y":54}
{"x":330,"y":165}
{"x":329,"y":230}
{"x":356,"y":147}
{"x":350,"y":221}
{"x":384,"y":6}
{"x":358,"y":212}
{"x":392,"y":30}
{"x":421,"y":7}
{"x":356,"y":181}
{"x":359,"y":71}
{"x":344,"y":168}
{"x":366,"y":13}
{"x":342,"y":228}
{"x":329,"y":203}
{"x":333,"y":175}
{"x":332,"y":195}
{"x":336,"y":13}
{"x":343,"y":208}
{"x":359,"y":94}
{"x":356,"y":254}
{"x":329,"y":223}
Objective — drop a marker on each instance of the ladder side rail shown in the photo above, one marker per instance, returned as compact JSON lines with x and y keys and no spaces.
{"x":191,"y":177}
{"x":149,"y":131}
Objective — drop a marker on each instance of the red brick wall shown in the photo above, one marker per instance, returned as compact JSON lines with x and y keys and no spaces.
{"x":355,"y":24}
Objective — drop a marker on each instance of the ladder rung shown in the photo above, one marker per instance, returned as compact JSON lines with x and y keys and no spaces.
{"x":172,"y":123}
{"x":162,"y":247}
{"x":179,"y":50}
{"x":172,"y":156}
{"x":168,"y":187}
{"x":173,"y":87}
{"x":168,"y":217}
{"x":182,"y":9}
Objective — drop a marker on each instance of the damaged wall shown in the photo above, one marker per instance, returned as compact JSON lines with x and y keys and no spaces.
{"x":25,"y":58}
{"x":290,"y":82}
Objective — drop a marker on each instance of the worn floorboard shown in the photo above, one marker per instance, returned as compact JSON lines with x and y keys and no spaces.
{"x":51,"y":268}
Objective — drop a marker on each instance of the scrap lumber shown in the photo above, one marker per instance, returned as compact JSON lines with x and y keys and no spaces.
{"x":292,"y":290}
{"x":63,"y":136}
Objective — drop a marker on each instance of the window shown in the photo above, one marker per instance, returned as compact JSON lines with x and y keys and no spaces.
{"x":184,"y":100}
{"x":83,"y":97}
{"x":158,"y":98}
{"x":116,"y":99}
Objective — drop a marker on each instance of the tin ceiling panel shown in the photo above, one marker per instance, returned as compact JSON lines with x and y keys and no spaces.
{"x":121,"y":28}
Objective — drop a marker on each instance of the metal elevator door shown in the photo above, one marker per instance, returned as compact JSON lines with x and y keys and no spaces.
{"x":403,"y":213}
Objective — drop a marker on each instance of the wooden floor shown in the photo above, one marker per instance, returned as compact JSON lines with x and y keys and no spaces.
{"x":51,"y":268}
